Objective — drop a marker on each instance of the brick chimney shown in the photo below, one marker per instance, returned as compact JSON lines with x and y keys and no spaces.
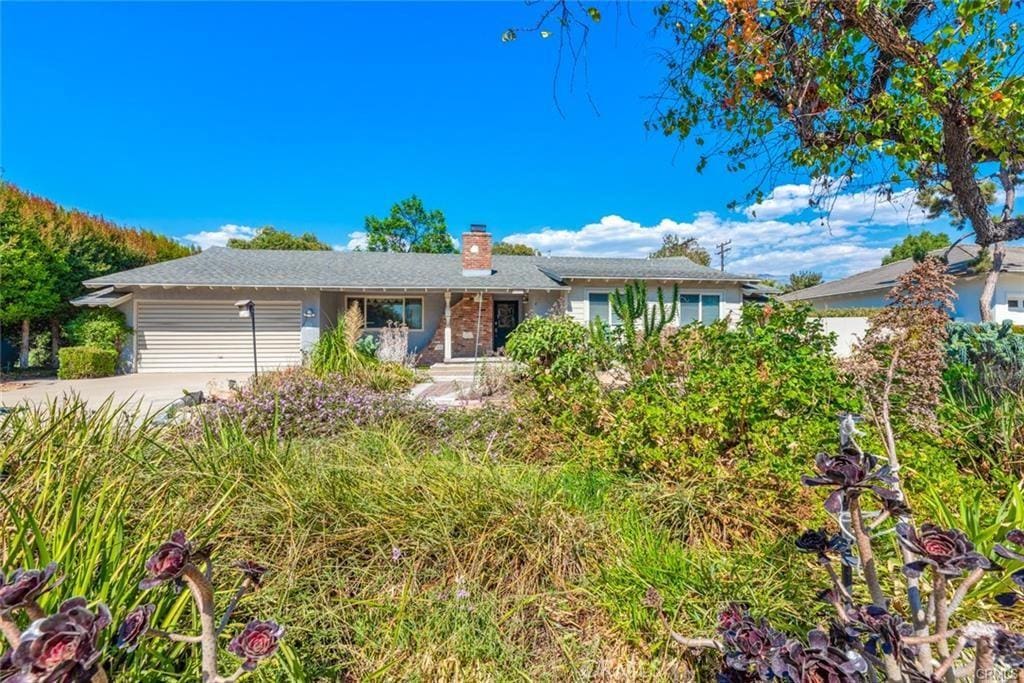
{"x":476,"y":251}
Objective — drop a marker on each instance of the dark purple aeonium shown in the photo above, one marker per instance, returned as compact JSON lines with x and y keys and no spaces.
{"x":825,"y":546}
{"x":256,"y":642}
{"x":851,"y":472}
{"x":948,"y":551}
{"x":749,"y":645}
{"x":169,"y":561}
{"x":62,"y":647}
{"x":1016,"y":537}
{"x":252,"y":571}
{"x":134,"y":626}
{"x":883,"y":632}
{"x":25,"y":585}
{"x":818,"y":662}
{"x":1009,"y":649}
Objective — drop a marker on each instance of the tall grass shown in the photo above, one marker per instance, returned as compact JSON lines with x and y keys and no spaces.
{"x":398,"y":552}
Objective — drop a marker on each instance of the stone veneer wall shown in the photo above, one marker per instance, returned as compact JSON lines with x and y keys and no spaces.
{"x":464,"y":319}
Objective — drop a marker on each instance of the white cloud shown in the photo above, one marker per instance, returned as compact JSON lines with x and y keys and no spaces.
{"x":860,"y":229}
{"x":220,"y":236}
{"x":356,"y":240}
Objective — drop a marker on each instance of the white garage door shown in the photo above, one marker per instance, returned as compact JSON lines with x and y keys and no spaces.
{"x":209,"y":336}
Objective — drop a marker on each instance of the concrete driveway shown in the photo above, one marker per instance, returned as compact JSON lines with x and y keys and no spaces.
{"x":153,"y":391}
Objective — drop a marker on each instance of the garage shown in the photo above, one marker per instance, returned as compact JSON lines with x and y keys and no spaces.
{"x":209,"y":336}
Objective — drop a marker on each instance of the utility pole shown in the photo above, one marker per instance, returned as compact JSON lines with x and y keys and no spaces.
{"x":722,"y":248}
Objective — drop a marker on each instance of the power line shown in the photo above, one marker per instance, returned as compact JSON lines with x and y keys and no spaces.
{"x":722,"y":248}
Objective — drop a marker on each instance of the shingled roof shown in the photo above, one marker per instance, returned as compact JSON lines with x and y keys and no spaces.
{"x":222,"y":267}
{"x":884,"y":278}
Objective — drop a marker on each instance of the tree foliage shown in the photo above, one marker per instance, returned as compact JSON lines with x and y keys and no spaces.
{"x":802,"y":280}
{"x":513,"y":249}
{"x":673,"y":245}
{"x":409,"y":226}
{"x":917,"y":246}
{"x":269,"y":237}
{"x":905,"y":92}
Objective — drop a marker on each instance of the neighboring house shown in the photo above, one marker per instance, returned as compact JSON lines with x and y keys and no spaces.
{"x":455,"y":305}
{"x":868,"y":289}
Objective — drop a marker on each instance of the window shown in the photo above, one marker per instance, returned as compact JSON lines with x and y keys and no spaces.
{"x":379,"y":311}
{"x":702,"y":308}
{"x":1015,"y":303}
{"x":599,"y":305}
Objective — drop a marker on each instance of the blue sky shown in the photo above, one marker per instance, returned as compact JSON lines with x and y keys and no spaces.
{"x":205,"y":120}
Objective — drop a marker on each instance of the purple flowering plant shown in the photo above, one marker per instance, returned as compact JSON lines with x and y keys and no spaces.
{"x":65,"y":646}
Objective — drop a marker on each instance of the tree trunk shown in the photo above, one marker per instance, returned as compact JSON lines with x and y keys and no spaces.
{"x":23,"y":359}
{"x":54,"y":341}
{"x":1008,"y":178}
{"x":988,"y":292}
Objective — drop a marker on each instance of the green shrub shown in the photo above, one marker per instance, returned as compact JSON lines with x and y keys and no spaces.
{"x":39,"y":355}
{"x":103,"y":328}
{"x":80,"y":362}
{"x":556,"y":347}
{"x":991,"y":354}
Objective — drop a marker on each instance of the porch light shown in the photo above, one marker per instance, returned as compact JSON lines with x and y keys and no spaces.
{"x":309,"y":313}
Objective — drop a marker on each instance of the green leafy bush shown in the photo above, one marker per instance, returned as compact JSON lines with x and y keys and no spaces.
{"x":80,"y":362}
{"x":558,"y":348}
{"x":103,"y":328}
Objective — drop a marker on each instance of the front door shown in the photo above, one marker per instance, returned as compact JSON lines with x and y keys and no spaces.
{"x":506,"y":317}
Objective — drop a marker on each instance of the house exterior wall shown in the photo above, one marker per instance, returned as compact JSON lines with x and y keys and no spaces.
{"x":433,"y":313}
{"x":540,"y":303}
{"x":310,"y":299}
{"x":968,"y":291}
{"x":576,"y":299}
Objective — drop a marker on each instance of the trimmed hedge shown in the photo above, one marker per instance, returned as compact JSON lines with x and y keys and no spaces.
{"x":79,"y":362}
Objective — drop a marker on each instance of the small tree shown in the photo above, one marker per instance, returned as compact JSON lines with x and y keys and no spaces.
{"x":916,"y":246}
{"x":513,"y":249}
{"x":802,"y":280}
{"x":673,"y":245}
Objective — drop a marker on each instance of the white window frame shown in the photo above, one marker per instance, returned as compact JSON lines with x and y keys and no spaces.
{"x":586,"y":304}
{"x":386,"y":297}
{"x":700,"y":304}
{"x":1019,"y":298}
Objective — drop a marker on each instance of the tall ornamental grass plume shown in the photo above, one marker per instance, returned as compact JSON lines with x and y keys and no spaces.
{"x":65,"y":646}
{"x":875,"y":634}
{"x":336,"y":350}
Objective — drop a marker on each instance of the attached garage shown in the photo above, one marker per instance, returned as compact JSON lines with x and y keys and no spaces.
{"x":209,"y":336}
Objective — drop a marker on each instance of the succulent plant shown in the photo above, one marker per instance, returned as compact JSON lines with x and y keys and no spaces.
{"x":134,"y":626}
{"x":257,"y":641}
{"x":62,"y":647}
{"x":25,"y":585}
{"x":826,"y":545}
{"x":818,"y":662}
{"x":749,"y":644}
{"x":848,"y":472}
{"x":1009,"y":649}
{"x":252,"y":571}
{"x":948,"y":551}
{"x":169,"y":561}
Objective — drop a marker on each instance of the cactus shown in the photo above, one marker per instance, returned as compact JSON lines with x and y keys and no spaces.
{"x":631,"y":306}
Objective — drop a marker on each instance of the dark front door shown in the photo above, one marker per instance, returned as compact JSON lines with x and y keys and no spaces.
{"x":506,"y":317}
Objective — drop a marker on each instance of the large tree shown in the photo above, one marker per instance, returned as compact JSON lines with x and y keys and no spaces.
{"x":674,"y":245}
{"x":893,"y":94}
{"x":29,"y":286}
{"x":409,"y":227}
{"x":269,"y":237}
{"x":916,"y":246}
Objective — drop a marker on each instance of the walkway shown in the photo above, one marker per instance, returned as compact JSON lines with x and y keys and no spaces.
{"x":451,"y":383}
